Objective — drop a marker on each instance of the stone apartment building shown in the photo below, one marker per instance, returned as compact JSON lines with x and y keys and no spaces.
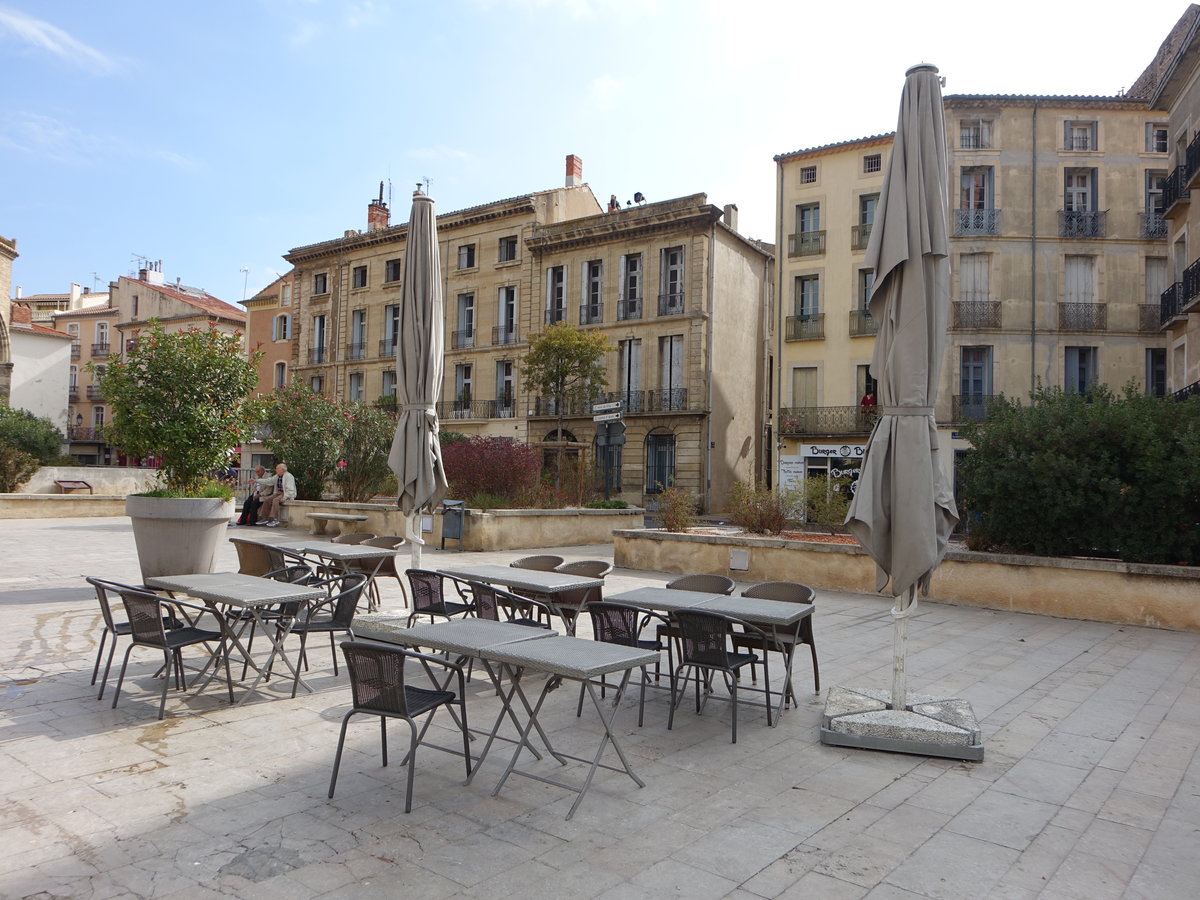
{"x":1058,"y":258}
{"x":676,"y":290}
{"x":269,"y":330}
{"x":8,"y":252}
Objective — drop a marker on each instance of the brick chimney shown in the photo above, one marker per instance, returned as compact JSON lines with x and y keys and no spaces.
{"x":574,"y":170}
{"x":378,"y":216}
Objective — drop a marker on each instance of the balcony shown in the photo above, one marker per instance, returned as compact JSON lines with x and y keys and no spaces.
{"x":555,"y":315}
{"x":1191,"y":158}
{"x":969,"y":407}
{"x":671,"y":304}
{"x":317,"y":355}
{"x":667,"y":400}
{"x":662,"y":400}
{"x":1152,"y":226}
{"x":809,"y":327}
{"x":73,"y":393}
{"x":89,"y":435}
{"x":93,"y":392}
{"x":797,"y":420}
{"x":75,"y":350}
{"x":1074,"y":223}
{"x":504,"y":334}
{"x":860,"y":236}
{"x":976,"y":221}
{"x":591,"y":314}
{"x":463,"y":339}
{"x":1175,"y":191}
{"x":1083,"y":317}
{"x":1191,"y":287}
{"x":806,"y":243}
{"x":387,"y":347}
{"x":1192,"y":390}
{"x":863,"y":324}
{"x":1169,"y":303}
{"x":1148,"y":317}
{"x":629,"y":309}
{"x":356,"y":351}
{"x":632,"y":401}
{"x":975,"y":314}
{"x":101,"y":349}
{"x":471,"y":409}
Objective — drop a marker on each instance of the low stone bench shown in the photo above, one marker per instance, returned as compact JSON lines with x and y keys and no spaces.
{"x":320,"y":520}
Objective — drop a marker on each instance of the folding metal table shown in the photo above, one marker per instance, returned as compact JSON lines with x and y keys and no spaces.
{"x":536,"y":581}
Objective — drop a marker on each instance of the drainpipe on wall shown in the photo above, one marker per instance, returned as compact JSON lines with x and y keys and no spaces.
{"x":779,"y":252}
{"x":708,"y":379}
{"x":1033,"y":257}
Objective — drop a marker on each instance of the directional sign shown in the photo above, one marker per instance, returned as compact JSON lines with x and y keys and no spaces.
{"x":606,"y":407}
{"x":607,"y":417}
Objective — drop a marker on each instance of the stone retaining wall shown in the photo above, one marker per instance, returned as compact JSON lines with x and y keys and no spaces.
{"x":58,"y":506}
{"x":1092,"y":589}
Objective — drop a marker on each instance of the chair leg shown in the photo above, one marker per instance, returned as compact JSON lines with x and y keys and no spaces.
{"x":333,"y":650}
{"x":121,"y":678}
{"x":99,"y":653}
{"x":733,"y":696}
{"x":162,"y":703}
{"x":249,"y":648}
{"x":223,"y":649}
{"x":641,"y":698}
{"x":816,"y":671}
{"x":579,"y":707}
{"x":383,"y":738}
{"x":337,"y":759}
{"x":107,"y":667}
{"x":412,"y":765}
{"x":462,"y":705}
{"x":296,"y":680}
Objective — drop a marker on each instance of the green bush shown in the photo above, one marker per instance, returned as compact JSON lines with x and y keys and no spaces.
{"x":305,"y":429}
{"x":758,"y":509}
{"x":24,"y":431}
{"x":825,"y":503}
{"x":676,"y":508}
{"x":607,"y":504}
{"x":363,"y":469}
{"x":1087,"y":475}
{"x":16,"y":467}
{"x":484,"y":500}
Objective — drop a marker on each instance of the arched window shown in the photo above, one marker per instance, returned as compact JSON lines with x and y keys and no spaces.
{"x":660,"y":461}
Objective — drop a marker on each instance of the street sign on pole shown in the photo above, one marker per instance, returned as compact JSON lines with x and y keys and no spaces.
{"x":606,"y":407}
{"x":607,"y":417}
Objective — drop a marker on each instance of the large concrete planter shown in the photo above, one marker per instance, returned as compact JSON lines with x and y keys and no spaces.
{"x":177,"y":536}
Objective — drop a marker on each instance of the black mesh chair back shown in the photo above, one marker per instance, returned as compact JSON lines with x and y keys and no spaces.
{"x":428,"y":595}
{"x":387,"y":567}
{"x":619,"y":623}
{"x":707,"y":584}
{"x":353,"y":537}
{"x":790,"y":592}
{"x":378,"y":687}
{"x":253,"y":558}
{"x":545,"y":562}
{"x":499,"y":605}
{"x":282,"y":559}
{"x":148,"y":615}
{"x":570,"y":602}
{"x":704,"y":647}
{"x":108,"y":592}
{"x":332,"y":615}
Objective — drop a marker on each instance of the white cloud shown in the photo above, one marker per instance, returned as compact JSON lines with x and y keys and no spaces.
{"x":41,"y":34}
{"x":50,"y":138}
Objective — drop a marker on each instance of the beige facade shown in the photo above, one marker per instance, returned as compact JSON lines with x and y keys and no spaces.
{"x":510,"y":267}
{"x":8,"y":252}
{"x":1058,"y":256}
{"x":269,"y":330}
{"x":1172,"y":84}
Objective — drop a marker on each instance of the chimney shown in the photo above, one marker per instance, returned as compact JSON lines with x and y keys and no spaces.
{"x":378,"y":216}
{"x":152,"y":274}
{"x":574,"y":170}
{"x":76,"y":293}
{"x":731,"y":216}
{"x":19,"y":291}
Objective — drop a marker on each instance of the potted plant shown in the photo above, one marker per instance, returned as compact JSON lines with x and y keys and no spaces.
{"x":181,"y":397}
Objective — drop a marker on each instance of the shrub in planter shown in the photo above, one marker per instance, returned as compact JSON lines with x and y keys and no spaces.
{"x":497,"y":466}
{"x":758,"y":509}
{"x":826,"y":504}
{"x":676,"y":508}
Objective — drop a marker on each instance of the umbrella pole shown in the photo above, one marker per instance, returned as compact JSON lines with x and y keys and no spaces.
{"x":900,"y":613}
{"x":415,"y":541}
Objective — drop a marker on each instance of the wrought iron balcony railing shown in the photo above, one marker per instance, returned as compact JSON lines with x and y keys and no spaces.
{"x":73,"y":394}
{"x":1175,"y":189}
{"x":969,"y":407}
{"x":591,"y":313}
{"x":1148,"y":317}
{"x":860,"y":236}
{"x":101,"y":349}
{"x":1152,"y":226}
{"x":463,"y":339}
{"x":93,"y":393}
{"x":549,"y":406}
{"x":468,"y":409}
{"x":806,"y":243}
{"x":1082,"y":317}
{"x":1191,"y":286}
{"x":660,"y":400}
{"x":667,"y":400}
{"x":862,"y":323}
{"x":795,"y":420}
{"x":976,"y":221}
{"x":504,"y":334}
{"x":356,"y":351}
{"x":1192,"y":390}
{"x":1191,"y":160}
{"x":1074,"y":223}
{"x":972,"y":314}
{"x":317,"y":355}
{"x":80,"y":433}
{"x":75,"y":350}
{"x":808,"y":327}
{"x":1170,"y":302}
{"x":555,"y":315}
{"x":630,"y":308}
{"x":387,"y":347}
{"x":671,"y":304}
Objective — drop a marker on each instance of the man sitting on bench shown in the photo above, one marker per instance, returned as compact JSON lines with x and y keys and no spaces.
{"x":283,"y":489}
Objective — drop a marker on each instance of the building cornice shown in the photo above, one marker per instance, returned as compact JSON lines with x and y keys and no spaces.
{"x":875,"y":140}
{"x":1067,"y":101}
{"x":690,"y":212}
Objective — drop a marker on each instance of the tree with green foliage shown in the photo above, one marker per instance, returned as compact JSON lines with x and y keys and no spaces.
{"x":363,"y":469}
{"x":1086,"y":475}
{"x":305,"y":429}
{"x":16,"y":468}
{"x":182,"y":396}
{"x":38,"y":437}
{"x":566,"y":365}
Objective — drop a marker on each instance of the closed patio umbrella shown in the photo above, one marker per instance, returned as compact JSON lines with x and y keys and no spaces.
{"x":416,"y":455}
{"x":903,"y":510}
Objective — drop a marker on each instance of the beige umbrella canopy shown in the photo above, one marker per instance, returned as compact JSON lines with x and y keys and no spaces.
{"x":416,"y":455}
{"x":903,"y":510}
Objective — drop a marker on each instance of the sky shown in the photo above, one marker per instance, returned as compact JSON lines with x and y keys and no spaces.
{"x":217,"y":136}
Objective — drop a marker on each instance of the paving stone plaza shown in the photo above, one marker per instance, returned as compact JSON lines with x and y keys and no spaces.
{"x":1090,"y":787}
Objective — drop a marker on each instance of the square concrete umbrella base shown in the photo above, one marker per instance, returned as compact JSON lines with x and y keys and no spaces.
{"x":862,"y":717}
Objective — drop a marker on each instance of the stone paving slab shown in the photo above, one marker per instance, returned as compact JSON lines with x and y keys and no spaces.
{"x":1090,"y":786}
